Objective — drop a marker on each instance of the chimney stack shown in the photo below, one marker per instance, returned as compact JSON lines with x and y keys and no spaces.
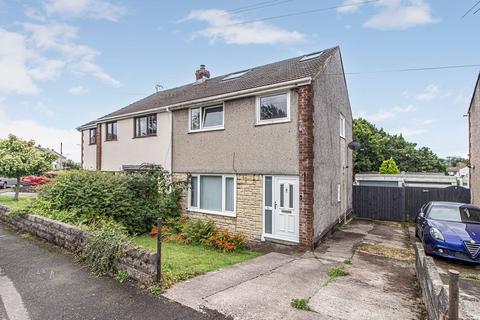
{"x":202,"y":73}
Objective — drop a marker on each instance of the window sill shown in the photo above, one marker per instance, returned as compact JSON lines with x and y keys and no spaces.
{"x":216,"y":213}
{"x":92,"y":144}
{"x":141,"y":137}
{"x":206,"y":130}
{"x":111,"y":140}
{"x":272,"y":122}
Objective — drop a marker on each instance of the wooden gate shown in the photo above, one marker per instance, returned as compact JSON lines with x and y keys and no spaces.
{"x":401,"y":203}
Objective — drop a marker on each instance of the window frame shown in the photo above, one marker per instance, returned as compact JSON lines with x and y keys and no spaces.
{"x":114,"y":136}
{"x":258,"y":99}
{"x":202,"y":108}
{"x":90,"y":143}
{"x":343,"y":126}
{"x":146,"y":116}
{"x":224,"y":193}
{"x":265,"y":207}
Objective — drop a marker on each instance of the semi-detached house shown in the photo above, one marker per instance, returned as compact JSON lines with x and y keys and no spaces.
{"x":265,"y":150}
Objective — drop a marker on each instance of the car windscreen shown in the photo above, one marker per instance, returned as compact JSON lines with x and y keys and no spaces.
{"x":454,"y":214}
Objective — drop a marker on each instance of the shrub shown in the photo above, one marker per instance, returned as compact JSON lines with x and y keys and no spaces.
{"x":301,"y":304}
{"x":103,"y":247}
{"x":224,"y":240}
{"x":198,"y":231}
{"x":136,"y":199}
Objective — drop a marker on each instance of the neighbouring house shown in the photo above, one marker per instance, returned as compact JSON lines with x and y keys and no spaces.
{"x":406,"y":179}
{"x":264,"y":150}
{"x":462,"y":173}
{"x":59,"y":162}
{"x":474,"y":138}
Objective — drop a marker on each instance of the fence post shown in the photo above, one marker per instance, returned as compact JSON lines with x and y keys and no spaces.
{"x":453,"y":295}
{"x":159,"y":251}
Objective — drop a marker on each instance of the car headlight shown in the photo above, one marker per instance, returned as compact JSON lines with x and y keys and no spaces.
{"x":436,"y":234}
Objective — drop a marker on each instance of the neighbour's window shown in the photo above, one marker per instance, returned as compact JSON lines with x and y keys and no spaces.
{"x":92,"y":136}
{"x":342,"y":126}
{"x":206,"y":118}
{"x":146,"y":126}
{"x":273,"y":108}
{"x":111,"y":131}
{"x":212,"y":194}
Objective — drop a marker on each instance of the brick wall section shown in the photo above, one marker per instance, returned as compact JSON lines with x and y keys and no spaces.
{"x":139,"y":263}
{"x":98,"y":140}
{"x":306,"y":156}
{"x":249,"y":216}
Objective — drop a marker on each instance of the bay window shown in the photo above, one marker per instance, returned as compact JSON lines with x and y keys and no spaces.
{"x":210,"y":193}
{"x":206,"y":118}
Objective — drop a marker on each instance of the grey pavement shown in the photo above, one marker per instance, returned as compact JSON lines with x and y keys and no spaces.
{"x":378,"y":287}
{"x":38,"y":281}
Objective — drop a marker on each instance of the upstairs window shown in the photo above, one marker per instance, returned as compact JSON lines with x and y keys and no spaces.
{"x":146,"y":126}
{"x":111,"y":131}
{"x":311,"y":56}
{"x":274,"y":108}
{"x":342,"y":126}
{"x":235,"y":75}
{"x":92,"y":136}
{"x":206,"y":118}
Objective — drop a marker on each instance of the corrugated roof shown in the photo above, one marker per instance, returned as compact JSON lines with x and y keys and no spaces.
{"x":270,"y":74}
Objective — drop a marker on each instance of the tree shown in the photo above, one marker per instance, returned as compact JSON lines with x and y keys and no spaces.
{"x":71,"y":165}
{"x":378,"y":145}
{"x":20,"y":158}
{"x":389,"y":167}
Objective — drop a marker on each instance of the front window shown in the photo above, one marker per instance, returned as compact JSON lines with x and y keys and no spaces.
{"x":212,"y":194}
{"x":275,"y":108}
{"x":206,"y":118}
{"x":111,"y":131}
{"x":455,"y":214}
{"x":146,"y":126}
{"x":92,"y":136}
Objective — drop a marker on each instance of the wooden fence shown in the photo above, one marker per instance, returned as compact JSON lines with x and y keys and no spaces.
{"x":401,"y":203}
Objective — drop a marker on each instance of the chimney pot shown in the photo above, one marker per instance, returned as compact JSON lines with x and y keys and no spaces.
{"x":202,"y":73}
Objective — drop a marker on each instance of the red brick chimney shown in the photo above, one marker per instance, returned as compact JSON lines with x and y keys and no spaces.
{"x":202,"y":73}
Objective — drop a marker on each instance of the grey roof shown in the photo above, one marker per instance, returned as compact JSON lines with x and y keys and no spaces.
{"x":270,"y":74}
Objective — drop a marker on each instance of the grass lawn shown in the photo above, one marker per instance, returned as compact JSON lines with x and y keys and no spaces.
{"x":8,"y":201}
{"x":180,"y":261}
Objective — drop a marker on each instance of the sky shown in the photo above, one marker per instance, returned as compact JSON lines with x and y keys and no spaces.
{"x":66,"y":62}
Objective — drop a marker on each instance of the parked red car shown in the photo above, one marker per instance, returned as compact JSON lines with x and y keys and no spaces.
{"x":34,"y":181}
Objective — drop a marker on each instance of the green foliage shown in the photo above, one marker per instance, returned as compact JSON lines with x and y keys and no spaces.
{"x":103,"y":247}
{"x":20,"y":158}
{"x":301,"y":304}
{"x":71,"y":165}
{"x":135,"y":200}
{"x":198,"y":231}
{"x":389,"y":167}
{"x":337,"y":272}
{"x":121,"y":276}
{"x":377,"y":146}
{"x":347,"y":261}
{"x":156,"y":289}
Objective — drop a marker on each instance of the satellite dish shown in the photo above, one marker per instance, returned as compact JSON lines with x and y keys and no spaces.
{"x":354,"y":145}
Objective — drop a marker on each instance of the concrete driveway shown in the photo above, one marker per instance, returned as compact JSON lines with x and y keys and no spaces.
{"x":381,"y":283}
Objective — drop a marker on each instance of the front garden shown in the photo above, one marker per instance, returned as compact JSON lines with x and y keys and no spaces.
{"x":122,"y":208}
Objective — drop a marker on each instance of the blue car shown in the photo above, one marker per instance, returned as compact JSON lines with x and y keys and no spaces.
{"x":450,"y":230}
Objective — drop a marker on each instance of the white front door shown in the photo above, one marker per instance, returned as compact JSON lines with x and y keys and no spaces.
{"x":285,"y":217}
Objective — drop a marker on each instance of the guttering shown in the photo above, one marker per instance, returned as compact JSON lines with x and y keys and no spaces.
{"x":221,"y":97}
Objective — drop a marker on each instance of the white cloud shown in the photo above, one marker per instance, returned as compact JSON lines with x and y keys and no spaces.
{"x":45,"y":135}
{"x":15,"y":76}
{"x":77,"y":90}
{"x":383,"y":115}
{"x":350,"y":6}
{"x":425,"y":121}
{"x":409,"y":132}
{"x":431,"y":92}
{"x":401,"y":15}
{"x":222,"y":25}
{"x":95,"y":9}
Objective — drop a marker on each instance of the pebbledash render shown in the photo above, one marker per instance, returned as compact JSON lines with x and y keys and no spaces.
{"x":474,"y":139}
{"x":264,"y":150}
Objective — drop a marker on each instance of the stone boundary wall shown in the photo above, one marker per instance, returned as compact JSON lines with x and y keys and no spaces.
{"x":434,"y":292}
{"x":139,"y":263}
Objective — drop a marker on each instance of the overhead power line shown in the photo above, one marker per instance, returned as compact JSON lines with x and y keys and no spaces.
{"x":259,"y":5}
{"x":469,"y":10}
{"x":416,"y":69}
{"x":300,"y":13}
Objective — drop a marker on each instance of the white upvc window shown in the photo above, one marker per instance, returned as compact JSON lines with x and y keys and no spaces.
{"x":273,"y":108}
{"x":342,"y":126}
{"x":206,"y":118}
{"x":213,"y":194}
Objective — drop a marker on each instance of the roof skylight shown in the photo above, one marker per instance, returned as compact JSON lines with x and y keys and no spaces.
{"x":311,"y":56}
{"x":235,"y":75}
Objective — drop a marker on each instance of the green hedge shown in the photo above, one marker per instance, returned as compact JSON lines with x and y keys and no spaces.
{"x":134,"y":200}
